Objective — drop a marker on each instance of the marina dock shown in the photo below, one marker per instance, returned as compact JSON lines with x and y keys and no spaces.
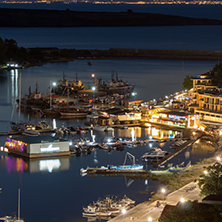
{"x":97,"y":170}
{"x":176,"y":152}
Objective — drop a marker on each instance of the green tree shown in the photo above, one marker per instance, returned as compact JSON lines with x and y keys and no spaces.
{"x":187,"y":83}
{"x":216,"y":73}
{"x":211,"y":181}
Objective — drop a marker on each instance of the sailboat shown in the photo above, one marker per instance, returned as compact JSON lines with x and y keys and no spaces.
{"x":11,"y":218}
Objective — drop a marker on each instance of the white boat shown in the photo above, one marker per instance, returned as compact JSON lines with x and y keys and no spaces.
{"x":155,"y":153}
{"x":109,"y":128}
{"x":89,"y":214}
{"x":99,"y":128}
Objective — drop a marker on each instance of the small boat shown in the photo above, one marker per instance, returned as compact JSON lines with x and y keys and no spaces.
{"x":90,"y":62}
{"x":99,"y":128}
{"x":177,"y":144}
{"x":109,"y":128}
{"x":132,"y":167}
{"x":26,"y":132}
{"x":89,"y":214}
{"x":155,"y":153}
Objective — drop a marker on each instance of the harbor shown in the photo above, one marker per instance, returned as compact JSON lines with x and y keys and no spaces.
{"x":50,"y":179}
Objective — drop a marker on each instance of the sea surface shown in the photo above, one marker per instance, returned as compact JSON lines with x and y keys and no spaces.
{"x":52,"y":189}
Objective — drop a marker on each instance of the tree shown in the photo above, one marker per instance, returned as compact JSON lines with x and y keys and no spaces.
{"x":211,"y":181}
{"x":187,"y":83}
{"x":216,"y":73}
{"x":3,"y":49}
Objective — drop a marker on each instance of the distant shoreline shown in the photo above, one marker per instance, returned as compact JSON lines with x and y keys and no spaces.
{"x":10,"y":17}
{"x":50,"y":55}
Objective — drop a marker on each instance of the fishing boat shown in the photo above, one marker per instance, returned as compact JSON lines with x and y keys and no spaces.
{"x":132,"y":166}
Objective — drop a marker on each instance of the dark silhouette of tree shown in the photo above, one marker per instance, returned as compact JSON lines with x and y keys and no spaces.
{"x":216,"y":74}
{"x":211,"y":182}
{"x":3,"y":50}
{"x":187,"y":83}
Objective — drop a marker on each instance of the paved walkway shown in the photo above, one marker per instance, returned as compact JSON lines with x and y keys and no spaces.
{"x":143,"y":211}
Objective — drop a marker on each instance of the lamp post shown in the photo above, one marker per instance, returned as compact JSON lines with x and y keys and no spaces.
{"x":123,"y":212}
{"x":93,"y":89}
{"x":50,"y":93}
{"x":163,"y":191}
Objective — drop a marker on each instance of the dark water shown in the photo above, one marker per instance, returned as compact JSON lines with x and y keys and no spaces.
{"x":53,"y":190}
{"x":172,"y":37}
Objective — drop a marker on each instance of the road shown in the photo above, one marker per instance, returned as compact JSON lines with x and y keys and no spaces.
{"x":144,"y":211}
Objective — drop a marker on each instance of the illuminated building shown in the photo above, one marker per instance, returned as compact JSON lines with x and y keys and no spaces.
{"x":38,"y":146}
{"x":207,"y":99}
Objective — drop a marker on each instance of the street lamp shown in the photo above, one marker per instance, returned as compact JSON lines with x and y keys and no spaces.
{"x":182,"y":200}
{"x":93,"y":89}
{"x":163,"y":191}
{"x":51,"y":85}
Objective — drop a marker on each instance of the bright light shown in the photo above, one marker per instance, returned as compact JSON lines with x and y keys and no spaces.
{"x":49,"y":149}
{"x":150,"y":219}
{"x":93,"y":88}
{"x":93,"y":75}
{"x":70,"y":143}
{"x":54,"y":83}
{"x":182,"y":200}
{"x":218,"y":158}
{"x":163,"y":190}
{"x":6,"y":150}
{"x":150,"y":137}
{"x":123,"y":211}
{"x":49,"y":165}
{"x":205,"y":172}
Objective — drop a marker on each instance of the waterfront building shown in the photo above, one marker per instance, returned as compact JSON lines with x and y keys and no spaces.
{"x":207,"y":99}
{"x":173,"y":118}
{"x":38,"y":146}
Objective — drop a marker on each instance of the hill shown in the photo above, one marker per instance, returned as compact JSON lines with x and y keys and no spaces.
{"x":68,"y":18}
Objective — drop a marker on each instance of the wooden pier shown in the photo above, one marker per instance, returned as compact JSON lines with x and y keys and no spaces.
{"x":96,"y":170}
{"x":176,"y":152}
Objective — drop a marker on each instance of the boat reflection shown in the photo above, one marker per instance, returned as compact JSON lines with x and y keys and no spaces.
{"x":15,"y":164}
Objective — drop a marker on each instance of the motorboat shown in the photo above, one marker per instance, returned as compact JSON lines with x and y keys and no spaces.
{"x":99,"y":128}
{"x":11,"y":219}
{"x":177,"y":144}
{"x":155,"y":153}
{"x":109,"y":128}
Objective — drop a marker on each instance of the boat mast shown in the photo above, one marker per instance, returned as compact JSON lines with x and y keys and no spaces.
{"x":20,"y":89}
{"x":130,"y":155}
{"x":18,"y":204}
